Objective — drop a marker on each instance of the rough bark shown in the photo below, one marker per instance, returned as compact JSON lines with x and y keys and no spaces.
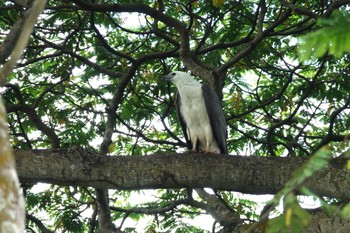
{"x":12,"y":216}
{"x":254,"y":175}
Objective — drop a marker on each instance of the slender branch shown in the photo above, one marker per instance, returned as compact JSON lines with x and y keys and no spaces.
{"x":299,"y":10}
{"x":254,"y":42}
{"x":38,"y":223}
{"x":35,"y":118}
{"x":218,"y":209}
{"x":89,"y":63}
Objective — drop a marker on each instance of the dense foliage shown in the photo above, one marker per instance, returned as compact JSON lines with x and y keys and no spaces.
{"x":91,"y":77}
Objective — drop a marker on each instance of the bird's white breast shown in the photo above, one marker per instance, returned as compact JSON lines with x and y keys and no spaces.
{"x":195,"y":114}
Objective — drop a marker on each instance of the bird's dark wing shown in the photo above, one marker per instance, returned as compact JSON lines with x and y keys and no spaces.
{"x":216,"y":116}
{"x":182,"y":121}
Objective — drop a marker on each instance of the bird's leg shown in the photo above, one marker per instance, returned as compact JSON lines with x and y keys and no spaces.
{"x":194,"y":147}
{"x":194,"y":144}
{"x":206,"y":147}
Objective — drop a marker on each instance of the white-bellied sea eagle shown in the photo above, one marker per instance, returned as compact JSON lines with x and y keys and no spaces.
{"x":200,"y":114}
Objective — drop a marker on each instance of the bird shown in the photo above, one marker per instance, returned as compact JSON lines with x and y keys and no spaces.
{"x":200,"y":114}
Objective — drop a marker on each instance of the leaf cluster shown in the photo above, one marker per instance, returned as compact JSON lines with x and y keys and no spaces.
{"x":332,"y":37}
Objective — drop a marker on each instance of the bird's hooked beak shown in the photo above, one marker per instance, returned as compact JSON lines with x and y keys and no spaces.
{"x":168,"y":77}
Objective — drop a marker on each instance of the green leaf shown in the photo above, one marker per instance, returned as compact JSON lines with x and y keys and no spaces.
{"x":333,"y":37}
{"x":346,"y":211}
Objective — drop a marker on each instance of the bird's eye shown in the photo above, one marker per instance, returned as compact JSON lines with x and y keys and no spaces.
{"x":173,"y":74}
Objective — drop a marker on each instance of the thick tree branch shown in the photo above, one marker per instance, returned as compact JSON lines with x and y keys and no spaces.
{"x":104,"y":214}
{"x":9,"y":42}
{"x":12,"y":214}
{"x":255,"y":175}
{"x":26,"y":29}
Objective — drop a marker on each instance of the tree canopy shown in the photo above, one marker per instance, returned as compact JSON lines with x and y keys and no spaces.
{"x":88,"y":88}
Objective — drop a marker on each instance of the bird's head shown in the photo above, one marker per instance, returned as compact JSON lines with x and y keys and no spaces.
{"x":179,"y":77}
